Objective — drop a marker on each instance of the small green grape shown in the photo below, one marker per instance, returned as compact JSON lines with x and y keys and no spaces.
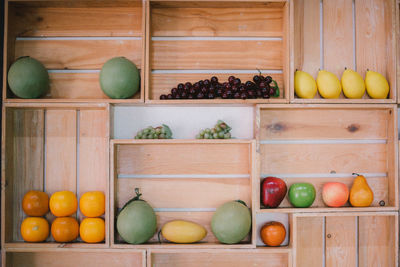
{"x":221,"y":135}
{"x":215,"y":135}
{"x":207,"y":130}
{"x":227,"y":135}
{"x":206,"y":136}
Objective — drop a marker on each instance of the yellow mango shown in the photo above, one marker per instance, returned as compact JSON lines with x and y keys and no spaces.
{"x":361,"y":194}
{"x":183,"y":232}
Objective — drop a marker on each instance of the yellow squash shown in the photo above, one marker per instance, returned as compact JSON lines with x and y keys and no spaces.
{"x":361,"y":194}
{"x":183,"y":232}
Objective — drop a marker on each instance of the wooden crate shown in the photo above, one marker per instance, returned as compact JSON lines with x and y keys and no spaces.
{"x":326,"y":143}
{"x":73,"y":39}
{"x":351,"y":239}
{"x":194,"y":40}
{"x":75,"y":257}
{"x":182,"y":179}
{"x":219,"y":258}
{"x":334,"y":34}
{"x":51,"y":148}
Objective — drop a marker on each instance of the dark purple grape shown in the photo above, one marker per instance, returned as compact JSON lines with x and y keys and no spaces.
{"x":219,"y":92}
{"x":211,"y":96}
{"x":196,"y":85}
{"x":228,"y":87}
{"x":231,"y":79}
{"x":214,"y":79}
{"x":207,"y":83}
{"x":174,"y":91}
{"x":237,"y":82}
{"x":236,"y":95}
{"x":192,"y":91}
{"x":163,"y":97}
{"x":212,"y":87}
{"x":262,"y":85}
{"x":259,"y":93}
{"x":243,"y":95}
{"x":204,"y":90}
{"x":229,"y":93}
{"x":178,"y":96}
{"x":235,"y":88}
{"x":201,"y":83}
{"x":266,"y":96}
{"x":224,"y":95}
{"x":180,"y":86}
{"x":184,"y":95}
{"x":251,"y":93}
{"x":200,"y":95}
{"x":188,"y":84}
{"x":265,"y":90}
{"x":186,"y":88}
{"x":256,"y":79}
{"x":169,"y":96}
{"x":190,"y":96}
{"x":242,"y":89}
{"x":268,"y":79}
{"x":271,"y":91}
{"x":249,"y":84}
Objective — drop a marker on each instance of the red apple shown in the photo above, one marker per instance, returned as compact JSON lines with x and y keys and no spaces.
{"x":273,"y":191}
{"x":335,"y":194}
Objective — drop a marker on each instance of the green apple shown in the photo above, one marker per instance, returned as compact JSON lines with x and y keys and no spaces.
{"x":302,"y":195}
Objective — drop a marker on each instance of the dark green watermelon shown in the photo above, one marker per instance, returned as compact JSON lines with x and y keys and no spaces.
{"x":28,"y":78}
{"x":119,"y":78}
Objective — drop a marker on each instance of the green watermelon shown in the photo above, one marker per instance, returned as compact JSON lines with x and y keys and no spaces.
{"x":28,"y":78}
{"x":231,"y":222}
{"x":119,"y":78}
{"x":137,"y":221}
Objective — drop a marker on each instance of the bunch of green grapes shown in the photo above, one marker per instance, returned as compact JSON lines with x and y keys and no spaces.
{"x":160,"y":132}
{"x":221,"y":130}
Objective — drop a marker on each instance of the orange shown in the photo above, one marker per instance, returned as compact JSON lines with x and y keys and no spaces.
{"x":63,"y":203}
{"x":34,"y":229}
{"x":92,"y":204}
{"x":65,"y":229}
{"x":273,"y":234}
{"x":35,"y":203}
{"x":92,"y":230}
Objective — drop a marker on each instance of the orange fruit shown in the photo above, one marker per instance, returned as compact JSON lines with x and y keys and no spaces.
{"x":63,"y":203}
{"x":92,"y":230}
{"x":65,"y":229}
{"x":92,"y":204}
{"x":34,"y":229}
{"x":35,"y":203}
{"x":273,"y":234}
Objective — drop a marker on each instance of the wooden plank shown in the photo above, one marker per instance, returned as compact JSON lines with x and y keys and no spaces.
{"x":215,"y":259}
{"x":27,"y":161}
{"x":216,"y":54}
{"x":163,"y":83}
{"x":168,"y":193}
{"x":338,"y":22}
{"x":68,"y":259}
{"x":379,"y":186}
{"x":376,"y":241}
{"x":79,"y":54}
{"x":374,"y":37}
{"x":307,"y":47}
{"x":324,"y":123}
{"x":309,"y":241}
{"x":323,"y":158}
{"x":341,"y":241}
{"x":78,"y":21}
{"x":183,"y":159}
{"x":217,"y":21}
{"x":93,"y":153}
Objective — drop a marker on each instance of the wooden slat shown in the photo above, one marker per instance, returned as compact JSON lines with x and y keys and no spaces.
{"x":163,"y":83}
{"x":338,"y":35}
{"x":323,"y":158}
{"x":197,"y":193}
{"x":307,"y":36}
{"x":216,"y":21}
{"x":79,"y":54}
{"x":214,"y":54}
{"x":183,"y":159}
{"x":323,"y":123}
{"x":78,"y":21}
{"x":93,"y":152}
{"x":215,"y":259}
{"x":376,"y":241}
{"x":309,"y":241}
{"x":27,"y":161}
{"x":374,"y":36}
{"x":340,"y":241}
{"x":378,"y":185}
{"x":68,"y":259}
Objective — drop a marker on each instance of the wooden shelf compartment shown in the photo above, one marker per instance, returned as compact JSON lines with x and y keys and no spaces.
{"x":73,"y":39}
{"x":345,"y":239}
{"x":182,"y":179}
{"x":327,"y":143}
{"x":332,"y":35}
{"x":273,"y":257}
{"x":188,"y":41}
{"x":66,"y":257}
{"x":52,"y":148}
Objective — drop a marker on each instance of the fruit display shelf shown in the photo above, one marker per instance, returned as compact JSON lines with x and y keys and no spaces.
{"x":366,"y":33}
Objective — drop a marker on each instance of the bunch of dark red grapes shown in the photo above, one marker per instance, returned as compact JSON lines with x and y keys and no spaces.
{"x":260,"y":87}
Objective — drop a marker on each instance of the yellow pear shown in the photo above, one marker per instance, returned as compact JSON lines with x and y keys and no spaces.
{"x":352,"y":84}
{"x":304,"y":84}
{"x":361,"y":194}
{"x":328,"y":84}
{"x":377,"y":85}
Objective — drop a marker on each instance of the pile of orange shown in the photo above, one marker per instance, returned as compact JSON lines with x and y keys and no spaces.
{"x":64,"y":228}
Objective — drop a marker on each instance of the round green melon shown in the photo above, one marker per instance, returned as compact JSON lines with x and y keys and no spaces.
{"x":137,"y":221}
{"x":119,"y":78}
{"x":231,"y":222}
{"x":28,"y":78}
